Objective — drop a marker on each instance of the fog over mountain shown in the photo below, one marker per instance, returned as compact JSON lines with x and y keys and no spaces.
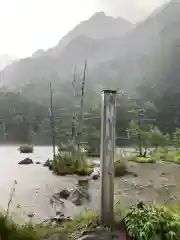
{"x":5,"y":60}
{"x":134,"y":10}
{"x":116,"y":50}
{"x":24,"y":31}
{"x":94,"y":39}
{"x":141,"y":60}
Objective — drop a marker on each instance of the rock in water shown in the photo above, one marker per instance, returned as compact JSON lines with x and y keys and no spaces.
{"x":48,"y":163}
{"x":95,"y":174}
{"x":84,"y":183}
{"x":79,"y":196}
{"x":26,"y":161}
{"x":56,"y":199}
{"x":64,"y":194}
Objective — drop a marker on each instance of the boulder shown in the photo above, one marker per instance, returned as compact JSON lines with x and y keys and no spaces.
{"x":99,"y":233}
{"x":26,"y":149}
{"x":56,"y":199}
{"x":84,"y":182}
{"x":79,"y":196}
{"x":26,"y":161}
{"x":48,"y":163}
{"x":31,"y":215}
{"x":64,"y":194}
{"x":60,"y":218}
{"x":95,"y":174}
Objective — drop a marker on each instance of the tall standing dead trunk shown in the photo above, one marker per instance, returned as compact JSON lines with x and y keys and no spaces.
{"x":51,"y":114}
{"x":73,"y":133}
{"x":81,"y":107}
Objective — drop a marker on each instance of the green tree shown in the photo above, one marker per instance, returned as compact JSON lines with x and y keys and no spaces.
{"x":157,"y":138}
{"x":176,"y":138}
{"x":135,"y":135}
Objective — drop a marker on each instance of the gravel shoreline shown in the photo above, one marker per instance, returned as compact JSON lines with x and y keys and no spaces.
{"x":157,"y":182}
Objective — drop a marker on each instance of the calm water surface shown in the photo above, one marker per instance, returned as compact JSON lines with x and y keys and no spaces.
{"x":35,"y":183}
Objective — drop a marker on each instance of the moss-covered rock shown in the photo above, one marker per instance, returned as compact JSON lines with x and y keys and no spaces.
{"x":26,"y":149}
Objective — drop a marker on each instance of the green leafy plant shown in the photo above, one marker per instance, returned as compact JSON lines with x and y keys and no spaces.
{"x":148,"y":222}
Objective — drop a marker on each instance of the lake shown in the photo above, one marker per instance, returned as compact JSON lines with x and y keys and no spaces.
{"x":35,"y":183}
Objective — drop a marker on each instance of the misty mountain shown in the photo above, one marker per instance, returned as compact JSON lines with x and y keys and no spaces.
{"x":98,"y":27}
{"x":118,"y":53}
{"x":146,"y":52}
{"x":94,"y":39}
{"x":5,"y":60}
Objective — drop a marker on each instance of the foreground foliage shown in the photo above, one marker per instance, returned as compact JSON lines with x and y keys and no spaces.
{"x":142,"y":222}
{"x":9,"y":230}
{"x":79,"y":223}
{"x":151,"y":222}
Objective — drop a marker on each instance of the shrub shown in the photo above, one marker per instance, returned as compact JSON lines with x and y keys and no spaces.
{"x":121,"y":168}
{"x":150,"y":222}
{"x":171,"y":156}
{"x":159,"y":155}
{"x":85,"y":172}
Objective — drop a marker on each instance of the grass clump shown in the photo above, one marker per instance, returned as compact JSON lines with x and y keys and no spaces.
{"x":78,"y":224}
{"x":173,"y":207}
{"x":172,"y":157}
{"x":9,"y":230}
{"x":147,"y":222}
{"x":167,"y":155}
{"x":142,"y":222}
{"x":160,"y":154}
{"x":64,"y":164}
{"x":139,"y":159}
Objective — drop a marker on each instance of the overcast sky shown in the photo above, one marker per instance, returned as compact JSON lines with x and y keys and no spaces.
{"x":28,"y":25}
